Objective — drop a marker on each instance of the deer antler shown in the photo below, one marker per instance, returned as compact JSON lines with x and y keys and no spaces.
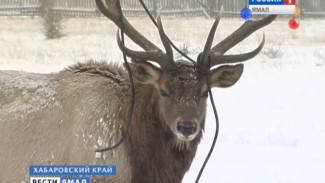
{"x":152,"y":52}
{"x":216,"y":54}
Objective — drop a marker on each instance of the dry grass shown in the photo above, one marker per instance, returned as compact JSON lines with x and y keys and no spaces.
{"x":24,"y":47}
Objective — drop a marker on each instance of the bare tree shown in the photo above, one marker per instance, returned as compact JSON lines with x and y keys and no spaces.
{"x":52,"y":21}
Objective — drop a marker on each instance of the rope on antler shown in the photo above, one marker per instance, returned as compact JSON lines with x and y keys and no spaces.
{"x":206,"y":69}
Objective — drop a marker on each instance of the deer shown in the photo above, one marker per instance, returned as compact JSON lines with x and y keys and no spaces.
{"x":63,"y":118}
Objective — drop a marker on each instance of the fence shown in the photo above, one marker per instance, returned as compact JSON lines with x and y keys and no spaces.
{"x":315,"y":8}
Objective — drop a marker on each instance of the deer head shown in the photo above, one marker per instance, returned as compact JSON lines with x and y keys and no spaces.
{"x":181,"y":86}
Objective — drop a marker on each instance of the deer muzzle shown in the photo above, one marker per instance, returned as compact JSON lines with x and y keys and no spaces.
{"x":187,"y":128}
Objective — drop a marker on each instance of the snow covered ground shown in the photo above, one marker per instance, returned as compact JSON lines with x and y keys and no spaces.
{"x":272,"y":128}
{"x":272,"y":122}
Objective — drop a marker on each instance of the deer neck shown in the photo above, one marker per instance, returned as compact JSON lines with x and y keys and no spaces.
{"x":154,"y":155}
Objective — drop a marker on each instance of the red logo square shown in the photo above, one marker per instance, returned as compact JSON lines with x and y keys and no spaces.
{"x":290,"y":2}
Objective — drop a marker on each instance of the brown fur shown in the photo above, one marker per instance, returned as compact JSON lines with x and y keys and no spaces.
{"x":62,"y":118}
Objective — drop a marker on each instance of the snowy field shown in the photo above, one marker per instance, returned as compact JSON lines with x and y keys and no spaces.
{"x":272,"y":122}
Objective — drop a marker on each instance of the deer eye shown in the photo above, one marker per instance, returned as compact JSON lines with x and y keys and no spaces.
{"x":205,"y":94}
{"x":163,"y":93}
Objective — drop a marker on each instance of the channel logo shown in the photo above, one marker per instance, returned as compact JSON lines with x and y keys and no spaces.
{"x":59,"y":180}
{"x":275,"y":7}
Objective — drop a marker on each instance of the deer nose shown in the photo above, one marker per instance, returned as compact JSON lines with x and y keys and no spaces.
{"x":186,"y":128}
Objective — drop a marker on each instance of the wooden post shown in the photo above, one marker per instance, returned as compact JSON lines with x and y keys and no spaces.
{"x":20,"y":8}
{"x":154,"y":8}
{"x":211,"y":4}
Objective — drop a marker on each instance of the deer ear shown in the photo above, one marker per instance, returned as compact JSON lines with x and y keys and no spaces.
{"x":145,"y":72}
{"x":226,"y":76}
